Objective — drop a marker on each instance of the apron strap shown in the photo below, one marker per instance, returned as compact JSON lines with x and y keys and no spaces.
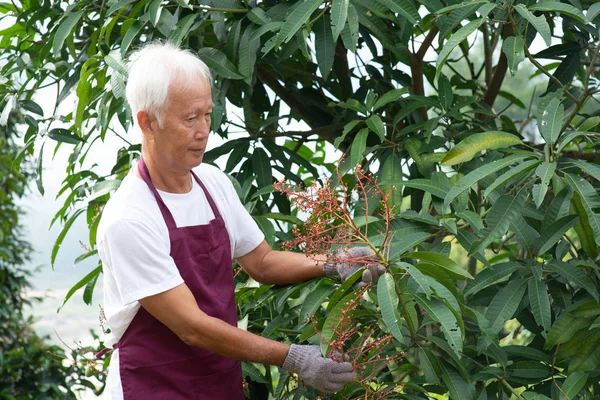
{"x":164,"y":210}
{"x":213,"y":206}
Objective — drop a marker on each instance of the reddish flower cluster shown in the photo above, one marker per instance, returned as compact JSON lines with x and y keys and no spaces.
{"x":364,"y":349}
{"x":330,"y":221}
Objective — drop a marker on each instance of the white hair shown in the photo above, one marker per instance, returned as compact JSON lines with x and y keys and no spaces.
{"x":152,"y":69}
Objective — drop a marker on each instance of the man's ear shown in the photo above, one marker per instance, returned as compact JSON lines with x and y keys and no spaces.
{"x":146,"y":123}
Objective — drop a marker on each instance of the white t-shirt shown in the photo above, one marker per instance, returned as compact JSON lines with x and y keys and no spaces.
{"x":134,"y":245}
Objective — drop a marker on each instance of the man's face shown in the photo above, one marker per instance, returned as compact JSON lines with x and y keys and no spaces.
{"x":180,"y":143}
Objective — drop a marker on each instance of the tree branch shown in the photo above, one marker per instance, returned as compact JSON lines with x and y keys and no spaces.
{"x":416,"y":67}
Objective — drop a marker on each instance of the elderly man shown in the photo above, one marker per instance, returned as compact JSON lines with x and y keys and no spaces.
{"x":167,"y":238}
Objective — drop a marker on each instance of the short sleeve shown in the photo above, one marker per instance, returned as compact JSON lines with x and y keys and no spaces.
{"x":247,"y":233}
{"x":139,"y":260}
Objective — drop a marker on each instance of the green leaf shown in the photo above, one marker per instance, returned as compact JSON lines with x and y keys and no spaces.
{"x":505,"y":303}
{"x":389,"y":97}
{"x":92,"y":275}
{"x":513,"y":48}
{"x":406,"y":242}
{"x":425,"y":185}
{"x":350,"y":32}
{"x":250,"y":370}
{"x":592,"y":170}
{"x":88,"y":292}
{"x":473,"y":144}
{"x":64,"y":136}
{"x":473,"y":177}
{"x":445,"y":93}
{"x":540,"y":302}
{"x":539,"y":23}
{"x":261,"y":166}
{"x":324,"y":46}
{"x":565,"y":72}
{"x":574,"y":275}
{"x":283,"y":217}
{"x":552,"y":120}
{"x":247,"y":54}
{"x":592,"y":12}
{"x":388,"y":302}
{"x":458,"y":388}
{"x":454,"y":41}
{"x":464,"y":4}
{"x":359,"y":145}
{"x":419,"y":278}
{"x":404,"y":8}
{"x":132,"y":32}
{"x":491,"y":276}
{"x":554,"y":232}
{"x":376,"y":125}
{"x":589,"y":201}
{"x":313,"y":301}
{"x":527,"y":352}
{"x":511,"y":173}
{"x":333,"y":320}
{"x":64,"y":30}
{"x":339,"y":14}
{"x":296,"y":19}
{"x":588,"y":356}
{"x":573,"y":385}
{"x":444,"y":262}
{"x":439,"y":312}
{"x":118,"y":5}
{"x":512,"y":98}
{"x":219,"y":62}
{"x":504,"y":211}
{"x":545,"y":171}
{"x":102,"y":188}
{"x":563,"y":329}
{"x":559,"y":207}
{"x":562,"y":8}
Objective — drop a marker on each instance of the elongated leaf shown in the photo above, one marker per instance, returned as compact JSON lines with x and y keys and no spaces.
{"x":63,"y":233}
{"x":545,"y":171}
{"x":473,"y":177}
{"x":406,"y":242}
{"x":540,"y":302}
{"x":458,"y":388}
{"x":296,"y":19}
{"x":86,"y":279}
{"x":588,"y":356}
{"x":584,"y":230}
{"x":339,"y":14}
{"x":504,"y":211}
{"x":554,"y":232}
{"x":511,"y":173}
{"x":64,"y":136}
{"x":130,"y":35}
{"x":219,"y":62}
{"x":573,"y":385}
{"x":552,"y":119}
{"x":539,"y":23}
{"x":324,"y":46}
{"x":592,"y":12}
{"x":419,"y":278}
{"x":454,"y":41}
{"x":388,"y":302}
{"x":404,"y":8}
{"x":261,"y":166}
{"x":314,"y":299}
{"x":64,"y":30}
{"x":474,"y":144}
{"x":389,"y":97}
{"x":589,"y":200}
{"x":565,"y":72}
{"x":491,"y":276}
{"x":505,"y":303}
{"x":526,"y":352}
{"x":559,"y":207}
{"x":442,"y":314}
{"x":332,"y":321}
{"x":441,"y":261}
{"x":574,"y":275}
{"x":513,"y":48}
{"x":591,"y":169}
{"x":562,"y":8}
{"x":358,"y":147}
{"x":247,"y":54}
{"x":376,"y":125}
{"x":526,"y":236}
{"x":563,"y":329}
{"x":425,"y":185}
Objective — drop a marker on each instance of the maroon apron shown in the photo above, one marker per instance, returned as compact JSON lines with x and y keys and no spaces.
{"x":154,"y":362}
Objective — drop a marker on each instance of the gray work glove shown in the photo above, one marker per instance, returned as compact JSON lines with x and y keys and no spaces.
{"x":323,"y":374}
{"x":371,"y":272}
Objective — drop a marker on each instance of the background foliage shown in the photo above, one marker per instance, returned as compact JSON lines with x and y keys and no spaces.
{"x":495,"y":212}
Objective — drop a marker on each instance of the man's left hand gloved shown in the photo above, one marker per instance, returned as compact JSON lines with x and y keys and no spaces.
{"x":344,"y":270}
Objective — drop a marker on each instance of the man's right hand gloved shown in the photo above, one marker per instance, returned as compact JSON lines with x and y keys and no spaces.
{"x":322,"y":373}
{"x":371,"y":272}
